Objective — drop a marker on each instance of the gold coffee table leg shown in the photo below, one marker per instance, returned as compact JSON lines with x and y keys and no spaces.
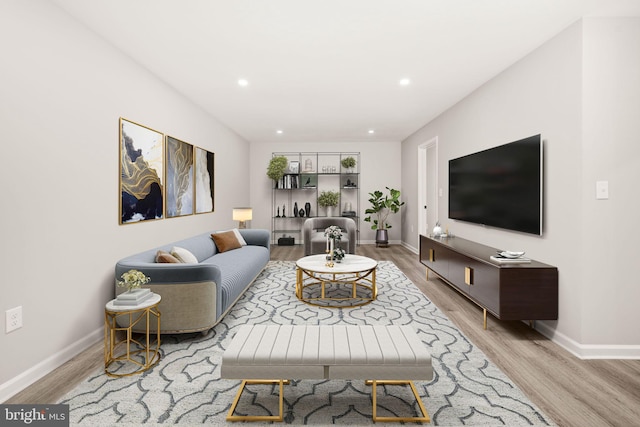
{"x":373,"y":284}
{"x":299,"y":283}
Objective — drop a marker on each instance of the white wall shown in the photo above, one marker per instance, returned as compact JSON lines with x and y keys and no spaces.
{"x":611,"y":152}
{"x":564,"y":90}
{"x":379,"y":168}
{"x":62,"y":90}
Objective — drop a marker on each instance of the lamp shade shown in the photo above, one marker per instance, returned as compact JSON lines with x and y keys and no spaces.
{"x":242,"y":214}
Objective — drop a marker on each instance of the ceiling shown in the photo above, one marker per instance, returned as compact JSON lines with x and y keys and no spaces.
{"x":329,"y":70}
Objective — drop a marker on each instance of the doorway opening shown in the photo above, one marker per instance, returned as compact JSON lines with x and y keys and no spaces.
{"x":427,"y":185}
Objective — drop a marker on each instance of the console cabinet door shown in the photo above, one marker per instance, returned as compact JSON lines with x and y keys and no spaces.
{"x":434,"y":256}
{"x":485,"y":286}
{"x":457,"y":271}
{"x":481,"y":282}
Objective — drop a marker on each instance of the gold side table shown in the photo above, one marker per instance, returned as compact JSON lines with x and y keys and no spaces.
{"x":135,"y":354}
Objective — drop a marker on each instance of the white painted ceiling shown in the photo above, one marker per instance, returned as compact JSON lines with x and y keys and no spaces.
{"x":328,"y":70}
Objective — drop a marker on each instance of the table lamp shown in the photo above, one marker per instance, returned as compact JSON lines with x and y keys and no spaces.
{"x":242,"y":215}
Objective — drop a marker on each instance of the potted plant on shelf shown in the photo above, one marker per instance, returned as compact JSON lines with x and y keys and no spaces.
{"x":277,"y":168}
{"x":348,"y":163}
{"x":329,"y":200}
{"x":381,"y":206}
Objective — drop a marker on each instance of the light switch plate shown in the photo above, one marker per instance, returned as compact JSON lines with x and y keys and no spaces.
{"x":602,"y":190}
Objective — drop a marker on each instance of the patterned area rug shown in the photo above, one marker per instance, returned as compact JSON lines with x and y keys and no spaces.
{"x":185,"y":387}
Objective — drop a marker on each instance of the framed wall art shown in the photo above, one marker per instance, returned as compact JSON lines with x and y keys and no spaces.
{"x":204,"y":180}
{"x":179,"y":178}
{"x":141,"y":173}
{"x":294,"y":166}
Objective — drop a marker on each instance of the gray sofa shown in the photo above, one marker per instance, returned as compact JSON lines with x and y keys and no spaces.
{"x":196,"y":296}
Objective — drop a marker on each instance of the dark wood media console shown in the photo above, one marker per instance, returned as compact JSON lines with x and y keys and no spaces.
{"x":518,"y":291}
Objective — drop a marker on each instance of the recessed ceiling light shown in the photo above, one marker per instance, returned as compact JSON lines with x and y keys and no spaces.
{"x":405,"y":82}
{"x":243,"y":82}
{"x":279,"y":131}
{"x":372,"y":131}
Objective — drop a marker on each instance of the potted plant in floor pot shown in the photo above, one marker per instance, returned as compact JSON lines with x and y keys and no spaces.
{"x":329,"y":200}
{"x":277,"y":167}
{"x":381,"y":206}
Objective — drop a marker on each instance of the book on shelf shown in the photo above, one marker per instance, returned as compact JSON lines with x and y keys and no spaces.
{"x":288,"y":182}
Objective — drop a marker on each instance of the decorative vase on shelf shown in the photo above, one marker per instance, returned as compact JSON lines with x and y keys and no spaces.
{"x":295,"y":209}
{"x":307,"y":209}
{"x":329,"y":210}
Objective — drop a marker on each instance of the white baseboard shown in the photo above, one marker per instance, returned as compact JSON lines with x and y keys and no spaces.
{"x":373,"y":242}
{"x":411,"y":248}
{"x":30,"y":376}
{"x":588,"y":351}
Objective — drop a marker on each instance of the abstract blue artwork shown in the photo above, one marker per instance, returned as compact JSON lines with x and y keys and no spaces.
{"x":141,"y":172}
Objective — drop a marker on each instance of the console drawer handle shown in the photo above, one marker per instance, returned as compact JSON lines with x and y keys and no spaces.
{"x":468,"y":276}
{"x":432,"y":255}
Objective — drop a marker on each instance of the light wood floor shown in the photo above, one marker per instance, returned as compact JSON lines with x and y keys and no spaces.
{"x":572,"y":392}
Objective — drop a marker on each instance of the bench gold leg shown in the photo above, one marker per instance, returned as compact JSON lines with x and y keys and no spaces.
{"x":425,"y":416}
{"x":279,"y":417}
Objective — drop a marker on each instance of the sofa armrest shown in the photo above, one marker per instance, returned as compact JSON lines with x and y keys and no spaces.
{"x":169,"y":272}
{"x":256,"y":237}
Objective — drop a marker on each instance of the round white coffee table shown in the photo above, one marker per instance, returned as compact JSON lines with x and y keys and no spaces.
{"x":314,"y":273}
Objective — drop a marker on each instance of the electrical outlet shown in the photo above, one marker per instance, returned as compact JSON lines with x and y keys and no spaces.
{"x":13,"y":319}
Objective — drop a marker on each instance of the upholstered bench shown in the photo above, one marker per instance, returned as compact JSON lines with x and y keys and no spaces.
{"x":273,"y":354}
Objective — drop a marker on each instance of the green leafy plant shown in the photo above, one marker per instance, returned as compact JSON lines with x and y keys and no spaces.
{"x":328,"y":198}
{"x":381,"y":206}
{"x":277,"y":167}
{"x":348,"y":162}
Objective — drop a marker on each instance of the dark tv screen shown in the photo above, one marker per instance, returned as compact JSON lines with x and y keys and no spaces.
{"x":499,"y":187}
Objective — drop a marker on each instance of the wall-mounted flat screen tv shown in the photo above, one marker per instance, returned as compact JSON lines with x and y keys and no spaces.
{"x":499,"y":187}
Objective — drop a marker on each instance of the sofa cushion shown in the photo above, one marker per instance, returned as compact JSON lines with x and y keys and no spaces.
{"x":226,"y":241}
{"x":184,"y":255}
{"x":238,"y":269}
{"x":166,"y":257}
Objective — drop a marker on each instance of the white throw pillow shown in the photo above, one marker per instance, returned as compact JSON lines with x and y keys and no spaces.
{"x":239,"y":236}
{"x":184,"y":255}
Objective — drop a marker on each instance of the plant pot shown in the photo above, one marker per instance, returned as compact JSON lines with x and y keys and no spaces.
{"x":329,"y":210}
{"x":382,"y":238}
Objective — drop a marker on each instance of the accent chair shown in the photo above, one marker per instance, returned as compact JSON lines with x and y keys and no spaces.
{"x":316,"y":243}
